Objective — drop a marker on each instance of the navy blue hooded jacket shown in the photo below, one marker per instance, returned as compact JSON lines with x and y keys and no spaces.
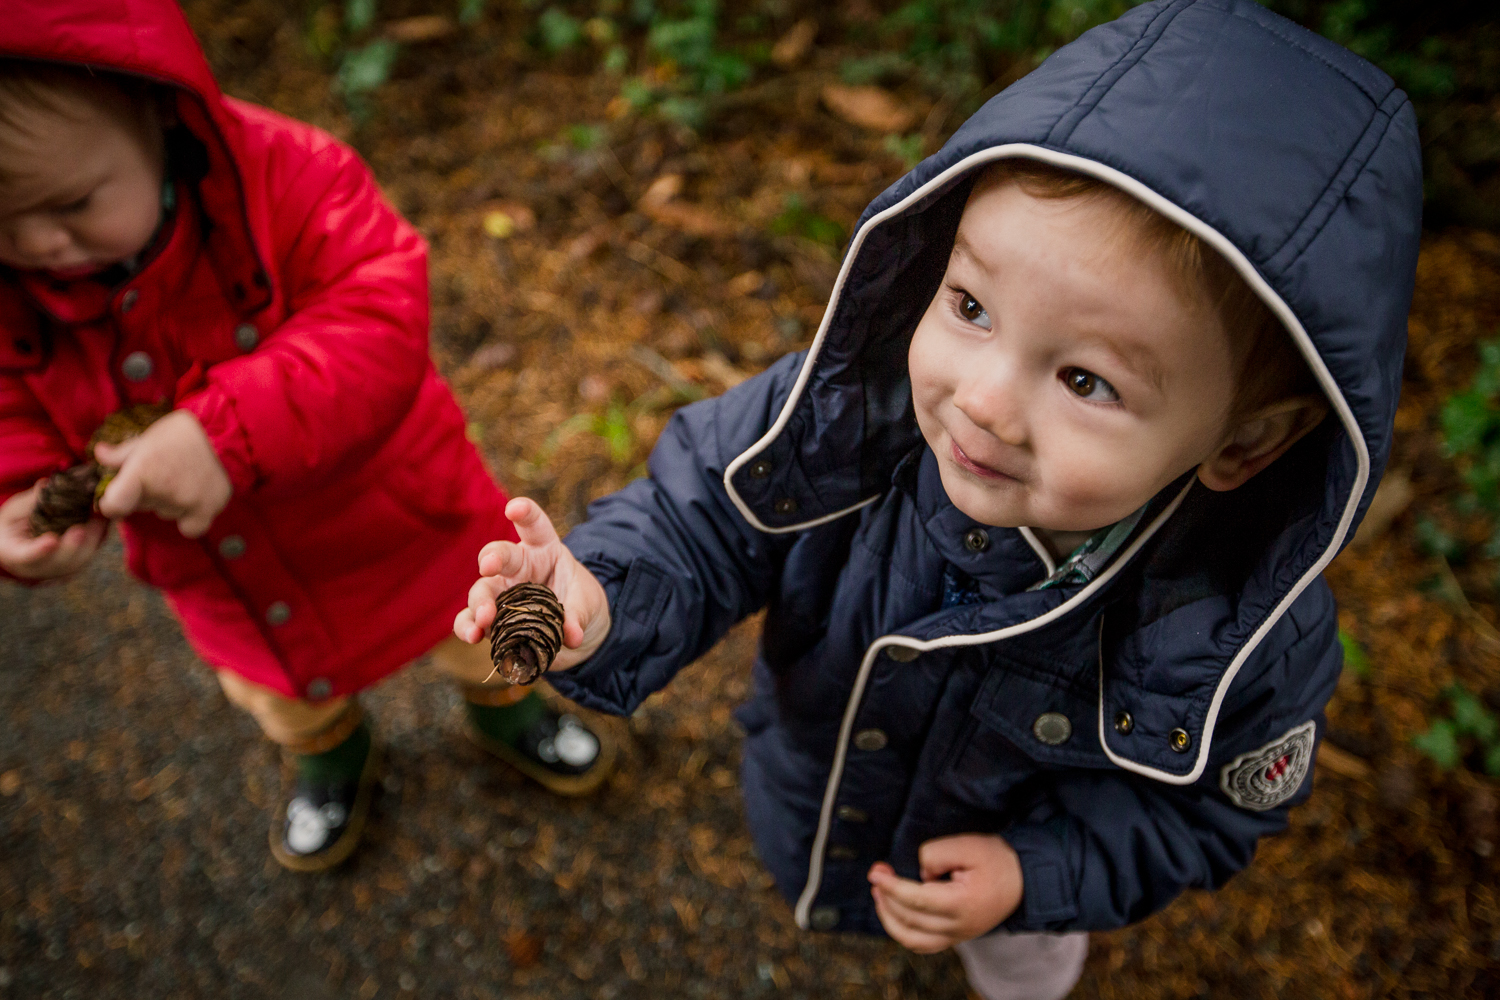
{"x":1131,"y":737}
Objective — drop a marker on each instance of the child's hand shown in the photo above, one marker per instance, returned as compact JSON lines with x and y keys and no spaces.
{"x":171,"y":470}
{"x":983,"y":889}
{"x":541,"y":557}
{"x":45,"y":557}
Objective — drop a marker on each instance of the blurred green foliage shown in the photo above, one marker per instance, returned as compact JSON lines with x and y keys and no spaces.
{"x":1355,"y":659}
{"x":797,"y":219}
{"x":1471,"y":436}
{"x":1470,"y":731}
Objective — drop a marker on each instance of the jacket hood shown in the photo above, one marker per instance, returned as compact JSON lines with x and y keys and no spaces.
{"x":1296,"y":160}
{"x":151,"y":39}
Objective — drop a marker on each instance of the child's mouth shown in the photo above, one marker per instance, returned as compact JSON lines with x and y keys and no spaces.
{"x":983,"y":471}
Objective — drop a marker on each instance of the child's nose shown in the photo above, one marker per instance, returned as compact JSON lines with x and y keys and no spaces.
{"x":40,"y":238}
{"x":995,"y":399}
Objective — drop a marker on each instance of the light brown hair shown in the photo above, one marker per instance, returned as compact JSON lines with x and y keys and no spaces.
{"x":1268,"y":366}
{"x":28,"y":86}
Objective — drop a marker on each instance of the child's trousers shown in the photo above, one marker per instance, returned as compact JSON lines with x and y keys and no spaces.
{"x":306,"y":726}
{"x":1024,"y":966}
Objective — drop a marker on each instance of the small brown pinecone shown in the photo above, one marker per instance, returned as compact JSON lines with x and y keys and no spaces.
{"x":66,"y":499}
{"x":122,"y":425}
{"x":527,"y":632}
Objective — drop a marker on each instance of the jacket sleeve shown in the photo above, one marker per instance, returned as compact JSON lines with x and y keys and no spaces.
{"x":1101,"y":850}
{"x":679,"y":563}
{"x":338,"y":375}
{"x":30,"y":446}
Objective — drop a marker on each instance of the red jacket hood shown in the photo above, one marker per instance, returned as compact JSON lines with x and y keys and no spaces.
{"x":152,"y":39}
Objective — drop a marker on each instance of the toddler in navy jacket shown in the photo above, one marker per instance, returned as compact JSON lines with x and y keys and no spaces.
{"x":1038,"y":520}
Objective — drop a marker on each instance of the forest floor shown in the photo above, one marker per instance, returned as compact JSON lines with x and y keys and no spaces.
{"x":591,"y":270}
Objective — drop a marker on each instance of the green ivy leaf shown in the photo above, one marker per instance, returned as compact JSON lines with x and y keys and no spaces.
{"x":558,"y":30}
{"x":1440,"y":743}
{"x":1355,"y":660}
{"x":364,"y":69}
{"x":359,"y":15}
{"x":1470,"y":716}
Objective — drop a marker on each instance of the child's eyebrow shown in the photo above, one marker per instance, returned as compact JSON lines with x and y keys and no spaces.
{"x":1141,"y":361}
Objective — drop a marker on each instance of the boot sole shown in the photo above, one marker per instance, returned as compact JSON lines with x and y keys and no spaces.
{"x":353,"y":832}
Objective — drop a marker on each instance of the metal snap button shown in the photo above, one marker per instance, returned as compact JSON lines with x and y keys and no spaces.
{"x":319,"y":688}
{"x":786,"y":505}
{"x":231,"y":546}
{"x":128,"y":300}
{"x":870,"y":740}
{"x":137,"y":366}
{"x":852,"y":814}
{"x":278,"y":613}
{"x":760,"y":468}
{"x":902,"y":654}
{"x":1052,"y":728}
{"x":824,"y":918}
{"x":976,"y":539}
{"x":1124,"y":724}
{"x":1179,"y":740}
{"x":839,"y":852}
{"x":246,"y":337}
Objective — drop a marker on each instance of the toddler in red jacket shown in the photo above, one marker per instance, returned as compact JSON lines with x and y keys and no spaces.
{"x":308,"y":503}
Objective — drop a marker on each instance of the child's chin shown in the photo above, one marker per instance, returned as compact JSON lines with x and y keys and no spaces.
{"x":984,"y":504}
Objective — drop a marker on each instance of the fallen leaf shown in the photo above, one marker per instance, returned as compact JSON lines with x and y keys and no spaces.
{"x":868,"y":107}
{"x":1391,"y":499}
{"x":492,"y":356}
{"x":745,"y":284}
{"x":1341,"y":762}
{"x":10,"y":783}
{"x":792,"y":46}
{"x":423,"y":28}
{"x":718,"y":368}
{"x":503,"y":219}
{"x":583,"y":246}
{"x":691,"y":219}
{"x":662,"y":190}
{"x":525,"y":949}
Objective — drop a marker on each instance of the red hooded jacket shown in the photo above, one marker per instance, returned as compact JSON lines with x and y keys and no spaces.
{"x":284,"y":305}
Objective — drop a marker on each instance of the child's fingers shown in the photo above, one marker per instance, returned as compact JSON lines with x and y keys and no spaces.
{"x":464,"y":627}
{"x":482,"y":599}
{"x":502,"y":559}
{"x":920,"y":941}
{"x":114,"y":455}
{"x":938,"y":899}
{"x":532,"y":523}
{"x":123,"y":496}
{"x":945,"y":855}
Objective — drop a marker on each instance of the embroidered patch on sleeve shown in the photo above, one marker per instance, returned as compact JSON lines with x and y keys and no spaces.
{"x":1265,"y":778}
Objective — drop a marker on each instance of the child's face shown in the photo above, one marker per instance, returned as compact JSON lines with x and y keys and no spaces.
{"x":79,"y":191}
{"x":1059,"y":375}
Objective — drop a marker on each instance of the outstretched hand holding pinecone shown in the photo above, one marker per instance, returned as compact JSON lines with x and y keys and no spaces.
{"x":69,"y":497}
{"x":539,"y":558}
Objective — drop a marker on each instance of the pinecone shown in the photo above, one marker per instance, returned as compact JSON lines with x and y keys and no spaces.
{"x":66,"y":499}
{"x":122,"y":425}
{"x":527,"y":632}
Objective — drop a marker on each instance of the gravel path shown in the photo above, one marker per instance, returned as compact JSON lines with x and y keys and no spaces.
{"x":134,"y":804}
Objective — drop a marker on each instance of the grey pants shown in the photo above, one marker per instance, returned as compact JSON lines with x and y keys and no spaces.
{"x":1024,"y":966}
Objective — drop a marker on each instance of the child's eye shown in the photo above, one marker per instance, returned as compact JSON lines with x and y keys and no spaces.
{"x":970,"y":309}
{"x":76,"y":206}
{"x":1089,"y":386}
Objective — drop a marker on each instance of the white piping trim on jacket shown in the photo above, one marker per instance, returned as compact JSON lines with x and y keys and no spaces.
{"x":851,"y":709}
{"x":1251,"y":276}
{"x":1039,"y":549}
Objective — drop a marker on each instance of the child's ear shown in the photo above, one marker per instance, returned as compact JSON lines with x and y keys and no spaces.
{"x":1259,"y":439}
